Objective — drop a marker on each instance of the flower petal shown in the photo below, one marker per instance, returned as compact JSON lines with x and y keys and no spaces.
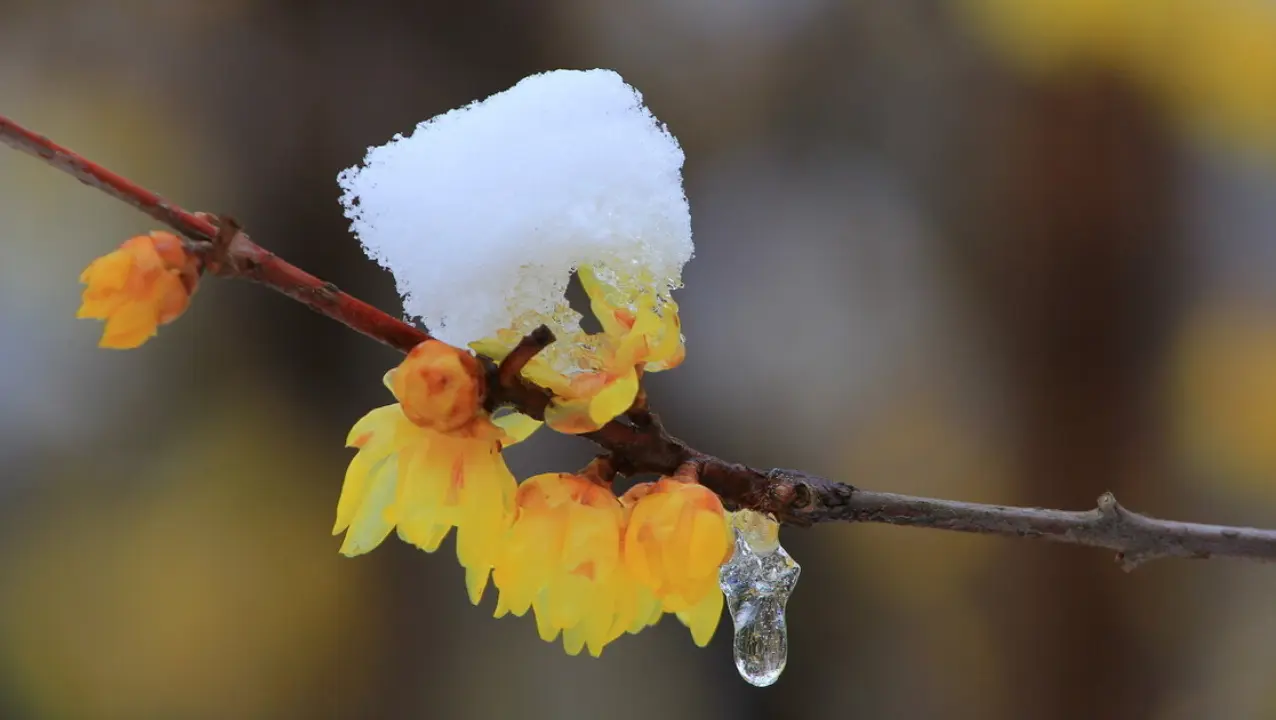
{"x":615,"y":399}
{"x":516,"y":426}
{"x":371,"y":525}
{"x":702,"y":618}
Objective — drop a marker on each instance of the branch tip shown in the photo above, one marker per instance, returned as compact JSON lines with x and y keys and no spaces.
{"x":509,"y":371}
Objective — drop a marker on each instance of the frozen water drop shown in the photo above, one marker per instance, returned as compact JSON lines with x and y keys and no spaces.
{"x":757,"y":582}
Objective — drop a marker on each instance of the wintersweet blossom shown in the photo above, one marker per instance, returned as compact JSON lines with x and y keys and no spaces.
{"x":145,"y":283}
{"x":676,"y":540}
{"x":600,"y":378}
{"x":430,"y":463}
{"x":483,"y":215}
{"x":562,"y":558}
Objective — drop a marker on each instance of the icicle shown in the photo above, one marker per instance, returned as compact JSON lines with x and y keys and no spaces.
{"x":757,"y":582}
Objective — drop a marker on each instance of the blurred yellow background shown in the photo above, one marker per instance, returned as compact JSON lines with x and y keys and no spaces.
{"x":1014,"y":252}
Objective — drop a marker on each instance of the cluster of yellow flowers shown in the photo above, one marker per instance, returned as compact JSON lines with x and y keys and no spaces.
{"x":1211,"y":62}
{"x":590,"y":565}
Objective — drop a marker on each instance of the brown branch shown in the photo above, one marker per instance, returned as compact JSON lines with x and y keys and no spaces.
{"x":509,"y":372}
{"x":644,"y":446}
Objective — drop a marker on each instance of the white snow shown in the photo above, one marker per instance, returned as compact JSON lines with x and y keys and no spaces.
{"x":482,"y":213}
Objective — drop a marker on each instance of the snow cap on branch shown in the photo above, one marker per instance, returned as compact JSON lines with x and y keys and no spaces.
{"x":482,"y":213}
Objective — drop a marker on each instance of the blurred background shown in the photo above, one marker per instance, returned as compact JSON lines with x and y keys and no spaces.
{"x":1010,"y":251}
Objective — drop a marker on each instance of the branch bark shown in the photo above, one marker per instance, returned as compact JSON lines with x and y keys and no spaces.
{"x":644,"y":446}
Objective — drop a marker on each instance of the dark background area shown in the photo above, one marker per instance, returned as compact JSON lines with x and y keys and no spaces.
{"x":1012,"y":252}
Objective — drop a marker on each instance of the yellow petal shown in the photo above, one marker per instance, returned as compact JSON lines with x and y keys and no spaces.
{"x":615,"y":399}
{"x":421,"y":513}
{"x":98,"y":306}
{"x":574,"y":640}
{"x":566,"y":600}
{"x":540,"y":373}
{"x":109,"y":272}
{"x":371,"y":525}
{"x":702,"y":618}
{"x":491,"y":348}
{"x":641,"y":552}
{"x":570,"y":417}
{"x":527,"y":556}
{"x":486,"y":498}
{"x":129,"y":326}
{"x":599,"y":304}
{"x":649,"y":611}
{"x":544,"y":627}
{"x":353,"y":489}
{"x":426,"y":538}
{"x":677,"y":547}
{"x":382,"y":419}
{"x":501,"y":608}
{"x":373,"y":435}
{"x":516,"y":426}
{"x":708,"y":544}
{"x":476,"y":582}
{"x":598,"y":623}
{"x":669,"y":351}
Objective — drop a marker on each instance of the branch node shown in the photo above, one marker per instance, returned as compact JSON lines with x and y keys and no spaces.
{"x":1109,"y":508}
{"x":226,"y":255}
{"x":802,"y":496}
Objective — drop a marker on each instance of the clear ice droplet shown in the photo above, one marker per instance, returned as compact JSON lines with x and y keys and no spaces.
{"x":757,"y":582}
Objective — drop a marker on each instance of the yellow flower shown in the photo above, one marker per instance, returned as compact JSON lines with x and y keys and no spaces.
{"x":641,"y":333}
{"x":653,"y":318}
{"x":430,"y":463}
{"x":562,"y":558}
{"x":146,"y":283}
{"x":676,"y":540}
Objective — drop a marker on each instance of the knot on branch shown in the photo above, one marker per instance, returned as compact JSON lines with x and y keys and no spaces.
{"x":230,"y":253}
{"x":1136,"y":537}
{"x":1110,"y":520}
{"x":802,"y":499}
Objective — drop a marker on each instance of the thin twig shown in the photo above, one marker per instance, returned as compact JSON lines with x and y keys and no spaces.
{"x":791,"y":496}
{"x":510,"y":371}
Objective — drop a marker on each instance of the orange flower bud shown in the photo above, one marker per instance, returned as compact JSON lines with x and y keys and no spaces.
{"x":146,"y":283}
{"x":440,"y":387}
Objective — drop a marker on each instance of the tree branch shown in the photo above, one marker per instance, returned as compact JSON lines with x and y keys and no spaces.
{"x":643,"y":445}
{"x":222,"y":253}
